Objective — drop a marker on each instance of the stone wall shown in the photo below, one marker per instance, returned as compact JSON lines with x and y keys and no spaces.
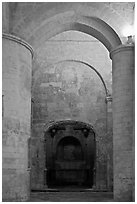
{"x":67,"y":89}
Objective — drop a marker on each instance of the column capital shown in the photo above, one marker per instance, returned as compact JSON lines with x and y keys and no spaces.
{"x":121,"y":48}
{"x":18,"y":40}
{"x":108,"y":98}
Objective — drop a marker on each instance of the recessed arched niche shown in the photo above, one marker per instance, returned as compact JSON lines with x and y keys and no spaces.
{"x":69,"y":149}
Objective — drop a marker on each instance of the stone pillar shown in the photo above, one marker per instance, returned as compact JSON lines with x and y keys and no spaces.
{"x":16,"y":85}
{"x":123,"y":121}
{"x":109,"y":112}
{"x":109,"y":157}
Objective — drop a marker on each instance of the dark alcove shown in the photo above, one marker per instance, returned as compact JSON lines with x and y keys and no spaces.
{"x":70,"y":155}
{"x":69,"y":162}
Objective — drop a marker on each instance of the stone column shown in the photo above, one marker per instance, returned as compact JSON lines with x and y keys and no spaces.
{"x":16,"y":85}
{"x":109,"y":157}
{"x":123,"y":121}
{"x":109,"y":112}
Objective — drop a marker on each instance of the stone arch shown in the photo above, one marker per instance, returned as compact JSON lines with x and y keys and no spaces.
{"x":90,"y":25}
{"x":59,"y":14}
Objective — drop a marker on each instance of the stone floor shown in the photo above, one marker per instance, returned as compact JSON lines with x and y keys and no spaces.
{"x":71,"y":197}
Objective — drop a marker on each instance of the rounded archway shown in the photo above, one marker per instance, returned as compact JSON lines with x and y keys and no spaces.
{"x":59,"y":17}
{"x":89,"y":25}
{"x":92,"y":26}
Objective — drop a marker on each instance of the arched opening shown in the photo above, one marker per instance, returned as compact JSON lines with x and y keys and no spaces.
{"x":70,"y":155}
{"x":106,"y":35}
{"x":66,"y":21}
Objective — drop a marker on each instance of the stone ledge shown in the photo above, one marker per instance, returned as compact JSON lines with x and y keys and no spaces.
{"x":108,"y":99}
{"x":18,"y":40}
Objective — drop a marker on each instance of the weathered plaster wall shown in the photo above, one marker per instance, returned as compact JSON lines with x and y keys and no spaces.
{"x":63,"y":91}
